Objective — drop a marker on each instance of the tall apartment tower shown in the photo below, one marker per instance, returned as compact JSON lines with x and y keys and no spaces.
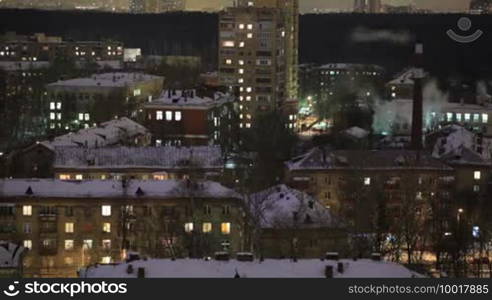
{"x":258,"y":55}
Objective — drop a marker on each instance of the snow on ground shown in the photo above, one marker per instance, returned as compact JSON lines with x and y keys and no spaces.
{"x":269,"y":268}
{"x":139,"y":157}
{"x":51,"y":188}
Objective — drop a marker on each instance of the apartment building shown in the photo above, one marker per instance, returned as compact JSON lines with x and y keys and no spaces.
{"x":75,"y":103}
{"x":258,"y":54}
{"x":67,"y":225}
{"x":193,"y":117}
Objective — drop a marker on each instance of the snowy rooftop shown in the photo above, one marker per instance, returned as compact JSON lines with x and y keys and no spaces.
{"x":356,"y":132}
{"x":10,"y":255}
{"x":269,"y":268}
{"x":456,"y":144}
{"x":321,"y":159}
{"x":167,"y":157}
{"x":347,"y":66}
{"x":276,"y":206}
{"x":23,"y":65}
{"x":109,"y":133}
{"x":51,"y":188}
{"x":116,"y":79}
{"x":188,"y":98}
{"x":405,"y":77}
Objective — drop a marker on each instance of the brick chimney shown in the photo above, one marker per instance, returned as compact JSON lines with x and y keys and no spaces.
{"x":418,"y":98}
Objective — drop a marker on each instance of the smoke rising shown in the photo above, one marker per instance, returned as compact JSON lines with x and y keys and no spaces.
{"x":365,"y":35}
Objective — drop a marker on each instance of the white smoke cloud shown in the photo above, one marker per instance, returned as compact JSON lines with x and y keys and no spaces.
{"x":365,"y":35}
{"x":399,"y":111}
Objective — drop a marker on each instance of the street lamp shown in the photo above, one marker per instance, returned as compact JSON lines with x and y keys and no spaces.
{"x":458,"y":216}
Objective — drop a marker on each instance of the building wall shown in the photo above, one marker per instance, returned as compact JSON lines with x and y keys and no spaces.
{"x":152,"y":223}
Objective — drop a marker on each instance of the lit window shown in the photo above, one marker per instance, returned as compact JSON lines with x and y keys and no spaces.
{"x":59,"y":115}
{"x":449,"y":117}
{"x":367,"y":181}
{"x":27,"y":210}
{"x":158,"y":143}
{"x":240,"y":80}
{"x":64,"y":177}
{"x":137,"y":92}
{"x":159,"y":115}
{"x":106,"y":210}
{"x":241,"y":44}
{"x":228,"y":61}
{"x":79,"y":177}
{"x":68,"y":261}
{"x":477,"y":175}
{"x":27,"y":244}
{"x":86,"y":117}
{"x":250,"y":35}
{"x":52,"y":105}
{"x":207,"y":227}
{"x":81,"y":117}
{"x":248,"y":125}
{"x":459,"y":117}
{"x":188,"y":227}
{"x":160,"y":177}
{"x":467,"y":117}
{"x":241,"y":62}
{"x":241,"y":71}
{"x":228,"y":44}
{"x":169,"y":115}
{"x":250,"y":26}
{"x":87,"y":244}
{"x":485,"y":118}
{"x":249,"y":89}
{"x":476,"y":118}
{"x":52,"y":116}
{"x":106,"y":244}
{"x":177,"y":115}
{"x":225,"y":228}
{"x":241,"y":26}
{"x":106,"y":227}
{"x":69,"y":227}
{"x":106,"y":260}
{"x":69,"y":244}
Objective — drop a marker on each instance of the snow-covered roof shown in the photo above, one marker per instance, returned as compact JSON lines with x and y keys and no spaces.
{"x":188,"y":98}
{"x":405,"y":77}
{"x":368,"y":160}
{"x":458,"y":145}
{"x":356,"y":132}
{"x":167,"y":157}
{"x":284,"y":207}
{"x":348,"y":66}
{"x":52,"y":188}
{"x":109,"y":133}
{"x":23,"y":65}
{"x":111,"y":80}
{"x":10,"y":255}
{"x":269,"y":268}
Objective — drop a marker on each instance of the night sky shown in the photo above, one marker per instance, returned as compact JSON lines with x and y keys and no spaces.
{"x":307,"y":5}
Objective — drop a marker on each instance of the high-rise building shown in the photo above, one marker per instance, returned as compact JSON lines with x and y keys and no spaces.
{"x":368,"y":6}
{"x":137,"y":6}
{"x":258,"y":55}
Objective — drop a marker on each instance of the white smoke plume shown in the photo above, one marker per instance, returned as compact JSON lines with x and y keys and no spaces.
{"x":399,"y":111}
{"x":365,"y":35}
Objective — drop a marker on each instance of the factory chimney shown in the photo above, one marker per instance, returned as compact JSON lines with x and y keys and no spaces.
{"x":418,"y":98}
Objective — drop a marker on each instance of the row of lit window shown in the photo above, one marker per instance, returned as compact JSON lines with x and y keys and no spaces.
{"x":55,"y":105}
{"x":225,"y":227}
{"x":116,"y":177}
{"x":70,"y":244}
{"x":466,"y":117}
{"x":105,"y":210}
{"x":159,"y":115}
